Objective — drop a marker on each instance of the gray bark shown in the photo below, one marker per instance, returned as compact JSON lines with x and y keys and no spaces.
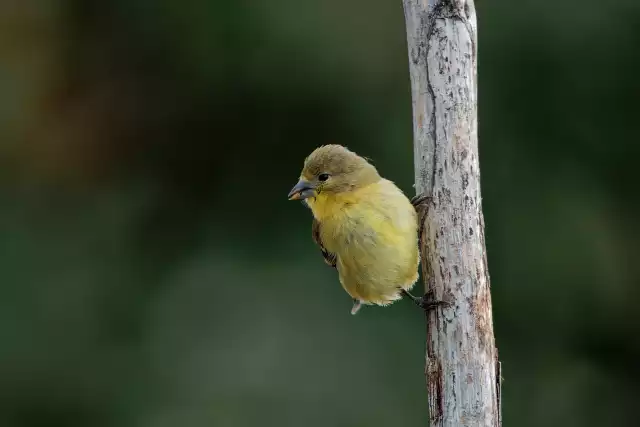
{"x":462,"y":368}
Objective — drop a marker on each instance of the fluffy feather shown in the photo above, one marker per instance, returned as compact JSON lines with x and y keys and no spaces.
{"x":365,"y":226}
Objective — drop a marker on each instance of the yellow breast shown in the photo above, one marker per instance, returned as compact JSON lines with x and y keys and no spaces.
{"x":373,"y":232}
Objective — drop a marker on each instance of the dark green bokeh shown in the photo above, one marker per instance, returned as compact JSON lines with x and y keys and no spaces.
{"x":153,"y":274}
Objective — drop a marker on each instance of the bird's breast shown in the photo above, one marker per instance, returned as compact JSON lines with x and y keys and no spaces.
{"x":373,"y":232}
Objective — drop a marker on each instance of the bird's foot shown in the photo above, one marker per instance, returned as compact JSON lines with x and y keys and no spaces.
{"x":421,"y":203}
{"x":420,"y":200}
{"x":427,"y":302}
{"x":357,"y":304}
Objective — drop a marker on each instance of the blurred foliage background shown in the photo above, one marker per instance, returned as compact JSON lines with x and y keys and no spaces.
{"x":153,"y":274}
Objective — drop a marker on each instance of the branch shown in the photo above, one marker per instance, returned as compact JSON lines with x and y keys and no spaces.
{"x":462,"y":369}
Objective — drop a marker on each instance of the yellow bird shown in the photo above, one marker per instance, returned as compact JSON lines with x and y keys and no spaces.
{"x":365,"y":226}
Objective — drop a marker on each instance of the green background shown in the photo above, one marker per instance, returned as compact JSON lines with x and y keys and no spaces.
{"x":153,"y":274}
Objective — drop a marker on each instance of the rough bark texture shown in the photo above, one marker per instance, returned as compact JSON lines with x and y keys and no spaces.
{"x":462,"y":368}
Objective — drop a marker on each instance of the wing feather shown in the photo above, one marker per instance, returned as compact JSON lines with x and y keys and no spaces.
{"x":329,"y":257}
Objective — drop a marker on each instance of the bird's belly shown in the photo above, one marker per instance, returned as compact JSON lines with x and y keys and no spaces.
{"x":375,"y":270}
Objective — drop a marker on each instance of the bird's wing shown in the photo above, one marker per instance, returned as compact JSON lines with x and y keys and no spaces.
{"x":329,"y":258}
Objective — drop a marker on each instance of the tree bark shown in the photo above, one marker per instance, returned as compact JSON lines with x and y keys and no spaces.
{"x":462,"y":368}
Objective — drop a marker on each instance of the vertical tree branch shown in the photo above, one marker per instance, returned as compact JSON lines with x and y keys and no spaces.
{"x":462,"y":368}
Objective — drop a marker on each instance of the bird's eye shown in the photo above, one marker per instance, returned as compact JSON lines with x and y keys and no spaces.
{"x":323,"y":177}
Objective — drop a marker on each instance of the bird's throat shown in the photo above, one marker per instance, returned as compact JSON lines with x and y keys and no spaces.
{"x":327,"y":205}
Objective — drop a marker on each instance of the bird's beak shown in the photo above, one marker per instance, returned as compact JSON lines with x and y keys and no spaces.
{"x":302,"y":190}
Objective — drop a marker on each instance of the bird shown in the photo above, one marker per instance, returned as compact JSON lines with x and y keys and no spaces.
{"x":366,"y":227}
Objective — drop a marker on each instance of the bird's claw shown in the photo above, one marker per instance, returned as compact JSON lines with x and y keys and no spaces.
{"x":421,"y":203}
{"x":419,"y":200}
{"x":427,"y":302}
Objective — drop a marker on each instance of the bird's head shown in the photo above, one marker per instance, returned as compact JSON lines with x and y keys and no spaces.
{"x":333,"y":169}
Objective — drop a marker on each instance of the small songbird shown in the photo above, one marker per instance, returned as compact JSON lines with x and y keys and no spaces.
{"x":365,"y":226}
